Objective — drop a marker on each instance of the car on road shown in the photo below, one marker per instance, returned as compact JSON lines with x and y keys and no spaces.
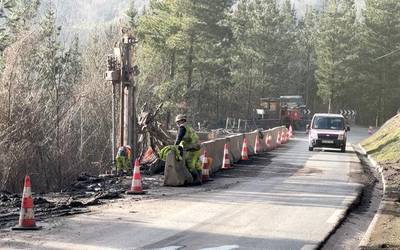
{"x":327,"y":131}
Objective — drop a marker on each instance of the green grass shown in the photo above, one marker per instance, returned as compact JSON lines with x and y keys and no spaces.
{"x":384,"y":145}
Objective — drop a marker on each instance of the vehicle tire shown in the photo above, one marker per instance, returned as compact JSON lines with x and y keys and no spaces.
{"x":310,"y":148}
{"x":343,"y":149}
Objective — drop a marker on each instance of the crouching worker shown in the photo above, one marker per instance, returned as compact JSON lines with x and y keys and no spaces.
{"x":124,"y":160}
{"x":189,"y":147}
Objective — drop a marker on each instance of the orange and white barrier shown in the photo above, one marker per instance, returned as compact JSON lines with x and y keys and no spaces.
{"x":245,"y":150}
{"x":278,"y":139}
{"x":226,"y":163}
{"x":257,"y":147}
{"x":205,"y":168}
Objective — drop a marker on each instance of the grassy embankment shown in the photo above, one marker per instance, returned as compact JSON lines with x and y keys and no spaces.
{"x":384,"y":147}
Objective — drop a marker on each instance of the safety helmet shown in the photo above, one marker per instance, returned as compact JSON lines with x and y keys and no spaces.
{"x":180,"y":117}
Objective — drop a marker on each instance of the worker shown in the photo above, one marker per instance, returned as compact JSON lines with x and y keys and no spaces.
{"x":123,"y":160}
{"x":189,"y":147}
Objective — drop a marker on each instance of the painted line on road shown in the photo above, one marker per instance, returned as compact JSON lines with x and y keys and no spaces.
{"x":231,"y":247}
{"x":309,"y":247}
{"x":335,"y":217}
{"x":170,"y":248}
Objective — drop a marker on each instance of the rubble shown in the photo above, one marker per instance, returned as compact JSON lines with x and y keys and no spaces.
{"x":87,"y":191}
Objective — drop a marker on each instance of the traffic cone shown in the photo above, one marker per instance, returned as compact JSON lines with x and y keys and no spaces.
{"x":205,"y":167}
{"x":290,"y":131}
{"x":27,"y":216}
{"x":278,"y":139}
{"x":245,"y":150}
{"x":268,"y":142}
{"x":285,"y":136}
{"x":257,"y":147}
{"x":136,"y":187}
{"x":226,"y":162}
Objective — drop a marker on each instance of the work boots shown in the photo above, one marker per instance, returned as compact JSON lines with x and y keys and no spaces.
{"x":197,"y":177}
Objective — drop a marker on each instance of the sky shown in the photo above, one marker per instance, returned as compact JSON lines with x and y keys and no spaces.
{"x":83,"y":16}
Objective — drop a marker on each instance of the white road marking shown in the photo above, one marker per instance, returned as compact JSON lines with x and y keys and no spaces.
{"x":222,"y":248}
{"x":309,"y":247}
{"x":335,"y":216}
{"x":170,"y":248}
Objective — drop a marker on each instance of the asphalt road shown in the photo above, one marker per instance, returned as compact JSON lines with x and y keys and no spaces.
{"x":286,"y":199}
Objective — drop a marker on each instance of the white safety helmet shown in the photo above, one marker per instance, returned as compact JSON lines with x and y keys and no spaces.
{"x":180,"y":117}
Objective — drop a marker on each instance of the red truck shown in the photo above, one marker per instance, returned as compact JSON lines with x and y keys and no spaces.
{"x":285,"y":110}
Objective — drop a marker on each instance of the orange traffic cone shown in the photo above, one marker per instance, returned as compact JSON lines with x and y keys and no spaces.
{"x":226,"y":162}
{"x":245,"y":150}
{"x":205,"y":170}
{"x":268,"y":142}
{"x":27,"y":216}
{"x":257,"y":147}
{"x":278,"y":139}
{"x":285,"y":137}
{"x":136,"y":187}
{"x":290,"y":131}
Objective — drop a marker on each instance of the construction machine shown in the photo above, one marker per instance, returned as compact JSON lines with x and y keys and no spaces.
{"x":283,"y":110}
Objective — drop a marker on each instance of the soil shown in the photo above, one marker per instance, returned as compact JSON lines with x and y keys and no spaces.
{"x":75,"y":199}
{"x":352,"y":230}
{"x":375,"y":222}
{"x":90,"y":191}
{"x":386,"y":233}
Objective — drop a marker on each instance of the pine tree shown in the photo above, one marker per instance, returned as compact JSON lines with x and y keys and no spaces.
{"x":133,"y":15}
{"x":208,"y":58}
{"x":15,"y":17}
{"x":333,"y":48}
{"x":382,"y":20}
{"x":266,"y":53}
{"x":307,"y":29}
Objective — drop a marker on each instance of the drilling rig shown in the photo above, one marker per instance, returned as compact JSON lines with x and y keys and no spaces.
{"x":121,"y":72}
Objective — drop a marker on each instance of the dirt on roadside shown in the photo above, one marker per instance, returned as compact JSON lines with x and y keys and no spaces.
{"x":75,"y":199}
{"x":384,"y":147}
{"x":386,"y":233}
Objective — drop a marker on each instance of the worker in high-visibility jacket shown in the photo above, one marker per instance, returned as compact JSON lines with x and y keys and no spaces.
{"x":124,"y":160}
{"x":189,"y":146}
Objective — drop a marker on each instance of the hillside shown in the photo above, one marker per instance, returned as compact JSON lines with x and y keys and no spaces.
{"x":384,"y":147}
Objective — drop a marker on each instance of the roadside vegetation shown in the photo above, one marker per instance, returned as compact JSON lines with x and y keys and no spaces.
{"x":384,"y":147}
{"x":210,"y":59}
{"x":384,"y":144}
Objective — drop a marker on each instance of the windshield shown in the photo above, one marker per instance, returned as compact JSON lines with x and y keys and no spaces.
{"x":291,"y":101}
{"x":334,"y":123}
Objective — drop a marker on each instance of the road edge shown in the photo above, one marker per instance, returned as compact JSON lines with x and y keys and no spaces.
{"x":343,"y":215}
{"x":367,"y":236}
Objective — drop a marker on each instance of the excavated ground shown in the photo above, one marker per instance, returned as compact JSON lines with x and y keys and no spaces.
{"x":85,"y":192}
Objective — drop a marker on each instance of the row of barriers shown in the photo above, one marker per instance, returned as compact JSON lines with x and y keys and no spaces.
{"x":265,"y":140}
{"x":215,"y":148}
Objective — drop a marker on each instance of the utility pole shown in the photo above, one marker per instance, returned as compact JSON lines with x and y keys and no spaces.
{"x":121,"y":74}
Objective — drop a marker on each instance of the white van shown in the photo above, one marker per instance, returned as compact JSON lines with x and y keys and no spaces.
{"x":327,"y":131}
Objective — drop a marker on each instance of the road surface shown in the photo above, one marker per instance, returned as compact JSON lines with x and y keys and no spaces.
{"x":286,"y":199}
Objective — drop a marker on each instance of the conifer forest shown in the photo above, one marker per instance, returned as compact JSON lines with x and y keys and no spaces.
{"x":209,"y":59}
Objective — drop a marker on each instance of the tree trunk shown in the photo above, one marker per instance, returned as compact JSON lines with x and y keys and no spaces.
{"x":173,"y":66}
{"x":190,"y":64}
